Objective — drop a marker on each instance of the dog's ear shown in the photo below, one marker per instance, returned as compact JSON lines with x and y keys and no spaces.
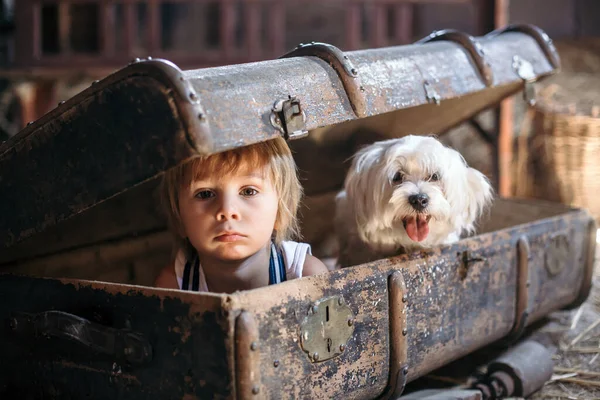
{"x":480,"y":194}
{"x":360,"y":184}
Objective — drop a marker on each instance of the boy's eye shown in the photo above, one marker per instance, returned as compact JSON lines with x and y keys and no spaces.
{"x":205,"y":194}
{"x":248,"y":192}
{"x":434,"y":177}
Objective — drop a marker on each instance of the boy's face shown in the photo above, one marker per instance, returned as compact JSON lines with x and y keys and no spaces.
{"x":231,"y":217}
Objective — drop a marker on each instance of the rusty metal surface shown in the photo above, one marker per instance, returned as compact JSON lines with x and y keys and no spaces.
{"x":247,"y":356}
{"x":523,"y":307}
{"x":452,"y":308}
{"x":189,"y":335}
{"x":470,"y":44}
{"x":359,"y":372}
{"x":398,"y":332}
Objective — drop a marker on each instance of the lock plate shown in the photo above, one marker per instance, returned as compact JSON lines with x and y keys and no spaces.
{"x":325,"y":331}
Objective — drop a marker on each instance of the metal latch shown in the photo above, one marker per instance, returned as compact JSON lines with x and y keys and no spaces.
{"x":525,"y":71}
{"x":326,"y":329}
{"x":287,"y":116}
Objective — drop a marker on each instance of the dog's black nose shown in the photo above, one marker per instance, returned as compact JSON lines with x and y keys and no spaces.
{"x":419,"y":201}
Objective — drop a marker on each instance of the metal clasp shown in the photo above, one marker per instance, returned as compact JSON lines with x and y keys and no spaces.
{"x":525,"y":71}
{"x":289,"y":118}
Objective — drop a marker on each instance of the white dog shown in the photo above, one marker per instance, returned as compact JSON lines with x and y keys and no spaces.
{"x":407,"y":194}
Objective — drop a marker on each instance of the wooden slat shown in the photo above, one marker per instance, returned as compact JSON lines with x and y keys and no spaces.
{"x":154,"y":26}
{"x":129,"y":30}
{"x":403,"y":30}
{"x":276,"y":28}
{"x":353,"y":29}
{"x":27,"y":35}
{"x":252,"y":22}
{"x":378,"y":26}
{"x":505,"y":118}
{"x":227,"y":27}
{"x":64,"y":27}
{"x":106,"y":23}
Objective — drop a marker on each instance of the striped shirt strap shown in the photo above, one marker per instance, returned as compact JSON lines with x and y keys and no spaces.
{"x":192,"y":269}
{"x":276,"y":266}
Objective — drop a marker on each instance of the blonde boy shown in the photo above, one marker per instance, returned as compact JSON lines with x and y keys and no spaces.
{"x":233,"y":215}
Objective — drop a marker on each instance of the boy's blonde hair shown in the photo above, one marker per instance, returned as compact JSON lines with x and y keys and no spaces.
{"x":274,"y":155}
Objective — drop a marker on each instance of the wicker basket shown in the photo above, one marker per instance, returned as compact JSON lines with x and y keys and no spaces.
{"x":559,"y":146}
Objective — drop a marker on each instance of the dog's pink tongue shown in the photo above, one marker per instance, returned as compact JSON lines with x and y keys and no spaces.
{"x":416,"y":228}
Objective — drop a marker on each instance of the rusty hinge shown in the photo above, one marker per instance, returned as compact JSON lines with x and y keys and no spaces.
{"x":289,"y":118}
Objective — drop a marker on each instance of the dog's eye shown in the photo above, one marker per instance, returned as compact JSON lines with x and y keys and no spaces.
{"x":398,"y":177}
{"x":434,"y":177}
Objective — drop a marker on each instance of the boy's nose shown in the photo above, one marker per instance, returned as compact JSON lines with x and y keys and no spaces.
{"x":227,"y":209}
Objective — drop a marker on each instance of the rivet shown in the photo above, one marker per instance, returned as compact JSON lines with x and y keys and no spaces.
{"x":528,"y":283}
{"x":314,"y":309}
{"x":137,"y":59}
{"x":60,"y":103}
{"x":255,"y":389}
{"x":306,"y":336}
{"x":313,"y":42}
{"x":95,"y":82}
{"x":342,"y":347}
{"x":30,"y":123}
{"x":362,"y":88}
{"x":276,"y":363}
{"x":345,"y":57}
{"x":200,"y":116}
{"x":193,"y":96}
{"x":350,"y":322}
{"x":405,"y":371}
{"x":340,"y":301}
{"x":316,"y":356}
{"x":149,"y":58}
{"x":253,"y":346}
{"x":354,"y":71}
{"x":404,"y":299}
{"x":404,"y":332}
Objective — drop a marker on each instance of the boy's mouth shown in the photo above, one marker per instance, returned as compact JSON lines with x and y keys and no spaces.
{"x":229,"y":237}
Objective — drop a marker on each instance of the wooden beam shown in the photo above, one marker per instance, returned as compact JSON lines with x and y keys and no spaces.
{"x":403,"y":29}
{"x":505,"y":118}
{"x":353,"y":26}
{"x":252,"y":22}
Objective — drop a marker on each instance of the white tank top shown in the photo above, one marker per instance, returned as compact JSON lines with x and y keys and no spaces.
{"x":293,"y":255}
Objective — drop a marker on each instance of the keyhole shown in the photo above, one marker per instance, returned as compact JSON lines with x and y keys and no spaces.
{"x":329,"y":342}
{"x":327,"y":314}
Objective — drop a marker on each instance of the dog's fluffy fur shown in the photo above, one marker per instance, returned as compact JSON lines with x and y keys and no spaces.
{"x":374,"y":214}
